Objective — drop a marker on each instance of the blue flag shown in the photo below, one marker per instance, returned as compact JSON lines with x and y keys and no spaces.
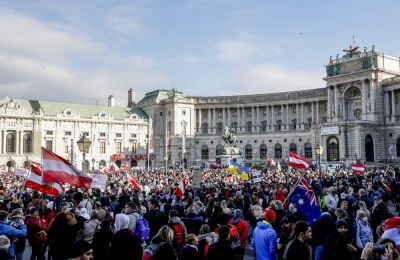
{"x":240,"y":168}
{"x":304,"y":199}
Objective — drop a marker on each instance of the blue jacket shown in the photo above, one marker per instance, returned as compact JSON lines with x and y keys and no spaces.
{"x":11,"y":233}
{"x":264,"y":241}
{"x":364,"y":234}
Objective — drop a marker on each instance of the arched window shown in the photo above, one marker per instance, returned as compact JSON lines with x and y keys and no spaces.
{"x":219,"y":149}
{"x":264,"y":126}
{"x":293,"y":148}
{"x":204,"y":152}
{"x":263,"y":151}
{"x":10,"y":143}
{"x":27,"y":143}
{"x":234,"y":125}
{"x":308,"y":150}
{"x":332,"y":145}
{"x":219,"y":128}
{"x":248,"y":152}
{"x":248,"y":127}
{"x":278,"y":151}
{"x":204,"y":128}
{"x":102,"y":164}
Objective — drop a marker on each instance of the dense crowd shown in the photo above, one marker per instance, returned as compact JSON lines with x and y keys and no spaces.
{"x":217,"y":221}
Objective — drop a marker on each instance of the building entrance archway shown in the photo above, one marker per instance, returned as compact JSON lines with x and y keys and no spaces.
{"x":369,"y":148}
{"x":332,"y":145}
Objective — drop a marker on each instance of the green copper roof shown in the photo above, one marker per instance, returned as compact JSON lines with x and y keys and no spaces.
{"x":49,"y":107}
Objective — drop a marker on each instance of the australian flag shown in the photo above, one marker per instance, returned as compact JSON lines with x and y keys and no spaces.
{"x":304,"y":199}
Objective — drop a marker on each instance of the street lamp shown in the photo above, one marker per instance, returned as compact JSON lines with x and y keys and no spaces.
{"x":84,"y":145}
{"x":319,"y":151}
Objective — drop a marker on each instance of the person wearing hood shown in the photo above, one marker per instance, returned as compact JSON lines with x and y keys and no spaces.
{"x":364,"y":231}
{"x":339,"y":245}
{"x":392,"y":230}
{"x":179,"y":228}
{"x":205,"y":238}
{"x":124,"y":238}
{"x":321,"y":229}
{"x":265,"y":238}
{"x":241,"y":226}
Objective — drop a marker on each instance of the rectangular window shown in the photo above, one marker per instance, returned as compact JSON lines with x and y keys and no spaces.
{"x":49,"y":145}
{"x":133,"y":135}
{"x":118,"y":147}
{"x":134,"y":145}
{"x":66,"y":147}
{"x":183,"y":112}
{"x":68,"y":133}
{"x":86,"y":134}
{"x":102,"y":147}
{"x":102,"y":134}
{"x":49,"y":132}
{"x":118,"y":135}
{"x":160,"y":113}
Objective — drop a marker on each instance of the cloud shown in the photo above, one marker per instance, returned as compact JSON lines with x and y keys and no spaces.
{"x":268,"y":78}
{"x":55,"y":61}
{"x":242,"y":51}
{"x":193,"y":58}
{"x":124,"y":25}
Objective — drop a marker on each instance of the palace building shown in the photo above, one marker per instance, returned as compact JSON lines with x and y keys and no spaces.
{"x":354,"y":117}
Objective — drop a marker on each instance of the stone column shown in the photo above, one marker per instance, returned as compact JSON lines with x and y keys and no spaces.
{"x":317,"y":109}
{"x":209,"y":121}
{"x":223,"y":117}
{"x":4,"y":141}
{"x":272,"y":118}
{"x":302,"y":116}
{"x":298,"y":116}
{"x":238,"y":119}
{"x":329,"y":112}
{"x":199,"y":129}
{"x":229,"y":117}
{"x":214,"y":120}
{"x":253,"y":120}
{"x":393,"y":107}
{"x":21,"y":142}
{"x":372,"y":95}
{"x":337,"y":103}
{"x":268,"y":121}
{"x":287,"y":117}
{"x":386,"y":105}
{"x":258,"y":127}
{"x":312,"y":113}
{"x":243,"y":117}
{"x":18,"y":140}
{"x":364,"y":98}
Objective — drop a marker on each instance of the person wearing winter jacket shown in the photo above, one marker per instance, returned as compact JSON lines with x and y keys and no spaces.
{"x":364,"y":231}
{"x":11,"y":232}
{"x":179,"y":228}
{"x":265,"y":238}
{"x":90,"y":227}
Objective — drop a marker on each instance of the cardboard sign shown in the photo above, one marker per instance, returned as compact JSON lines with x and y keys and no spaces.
{"x":99,"y":181}
{"x":196,"y":183}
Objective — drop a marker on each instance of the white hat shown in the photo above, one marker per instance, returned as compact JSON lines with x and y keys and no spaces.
{"x":84,"y":213}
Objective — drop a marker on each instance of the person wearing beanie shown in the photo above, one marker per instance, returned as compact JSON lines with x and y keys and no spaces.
{"x":265,"y":238}
{"x":81,"y":250}
{"x":339,"y":245}
{"x":241,"y":226}
{"x":179,"y":228}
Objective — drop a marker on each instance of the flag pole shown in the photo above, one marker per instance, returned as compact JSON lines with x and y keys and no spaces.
{"x":290,"y":193}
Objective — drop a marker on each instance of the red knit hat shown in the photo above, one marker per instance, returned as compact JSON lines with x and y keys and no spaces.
{"x":270,"y":216}
{"x":392,"y":223}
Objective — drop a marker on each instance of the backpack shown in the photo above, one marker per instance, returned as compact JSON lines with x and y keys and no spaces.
{"x":178,"y":234}
{"x":151,"y":250}
{"x":323,"y":202}
{"x":142,"y":229}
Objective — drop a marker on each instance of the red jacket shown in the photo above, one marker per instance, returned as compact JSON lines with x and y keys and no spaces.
{"x":243,"y":229}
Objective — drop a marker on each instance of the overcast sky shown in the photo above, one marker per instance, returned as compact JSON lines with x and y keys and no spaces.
{"x":83,"y":51}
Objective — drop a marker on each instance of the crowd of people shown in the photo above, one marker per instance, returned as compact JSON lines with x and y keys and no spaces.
{"x":222,"y":219}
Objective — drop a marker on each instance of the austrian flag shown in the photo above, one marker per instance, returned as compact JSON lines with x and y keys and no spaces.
{"x":298,"y":162}
{"x":181,"y":188}
{"x":359,"y":168}
{"x":58,"y":169}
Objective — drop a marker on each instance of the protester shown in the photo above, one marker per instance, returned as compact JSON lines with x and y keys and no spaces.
{"x":299,"y":248}
{"x":222,"y":248}
{"x":11,"y":232}
{"x":265,"y":238}
{"x":81,"y":250}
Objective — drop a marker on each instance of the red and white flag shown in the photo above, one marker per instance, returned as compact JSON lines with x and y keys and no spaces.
{"x":181,"y":188}
{"x":271,"y":162}
{"x":35,"y":181}
{"x":114,"y":168}
{"x":298,"y":162}
{"x":359,"y":168}
{"x":130,"y":178}
{"x":57,"y":169}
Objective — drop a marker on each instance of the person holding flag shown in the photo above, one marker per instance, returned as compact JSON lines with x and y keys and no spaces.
{"x":240,"y":170}
{"x":304,"y":199}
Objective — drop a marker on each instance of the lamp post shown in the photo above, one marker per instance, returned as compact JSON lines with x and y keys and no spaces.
{"x":84,"y":146}
{"x":93,"y":161}
{"x":319,"y":151}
